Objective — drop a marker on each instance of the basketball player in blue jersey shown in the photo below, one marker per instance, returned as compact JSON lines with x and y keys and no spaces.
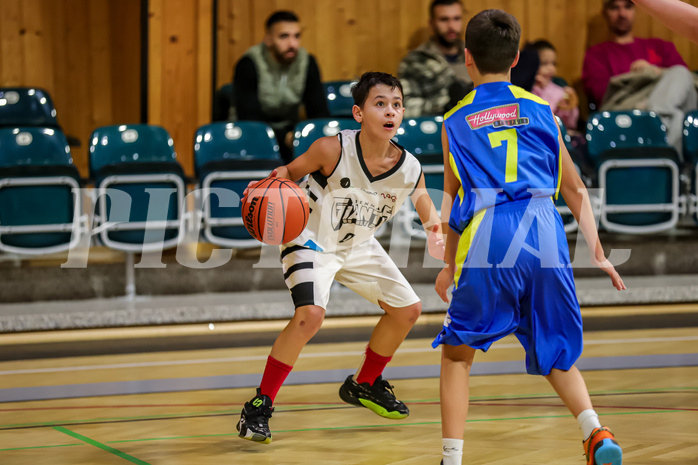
{"x":506,"y":250}
{"x":358,"y":181}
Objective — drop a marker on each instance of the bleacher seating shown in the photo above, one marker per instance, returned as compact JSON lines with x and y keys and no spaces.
{"x":41,"y":209}
{"x":339,"y":99}
{"x":26,"y":106}
{"x":309,"y":131}
{"x":138,"y":167}
{"x":422,"y":138}
{"x":638,"y":172}
{"x":690,"y":155}
{"x":40,"y":203}
{"x":567,"y":218}
{"x":227,"y":156}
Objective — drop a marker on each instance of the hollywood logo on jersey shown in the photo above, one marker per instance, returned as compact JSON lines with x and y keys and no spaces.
{"x":502,"y":116}
{"x":348,"y":210}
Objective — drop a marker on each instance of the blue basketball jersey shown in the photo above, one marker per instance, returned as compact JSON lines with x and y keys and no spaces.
{"x":504,"y":147}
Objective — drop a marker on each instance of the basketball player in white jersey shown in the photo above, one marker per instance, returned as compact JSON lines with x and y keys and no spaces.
{"x":358,"y":181}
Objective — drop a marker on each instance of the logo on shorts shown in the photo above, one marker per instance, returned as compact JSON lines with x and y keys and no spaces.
{"x":502,"y":116}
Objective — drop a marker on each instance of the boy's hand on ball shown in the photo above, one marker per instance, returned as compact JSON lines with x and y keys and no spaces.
{"x":247,"y":189}
{"x":253,"y":183}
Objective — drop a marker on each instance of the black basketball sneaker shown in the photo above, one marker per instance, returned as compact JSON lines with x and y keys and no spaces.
{"x":254,"y":419}
{"x":378,"y":397}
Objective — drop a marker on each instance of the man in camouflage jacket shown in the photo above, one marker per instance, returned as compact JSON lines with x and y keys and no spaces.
{"x":433,"y":75}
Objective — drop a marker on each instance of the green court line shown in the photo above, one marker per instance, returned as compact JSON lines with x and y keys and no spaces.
{"x":391,"y":425}
{"x":155,"y":417}
{"x":40,"y":447}
{"x":301,"y":407}
{"x":481,"y":420}
{"x":94,"y":420}
{"x":170,"y":438}
{"x":104,"y":447}
{"x":552,"y":394}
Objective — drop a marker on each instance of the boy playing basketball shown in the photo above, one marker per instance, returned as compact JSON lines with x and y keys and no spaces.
{"x":358,"y":181}
{"x":506,"y":250}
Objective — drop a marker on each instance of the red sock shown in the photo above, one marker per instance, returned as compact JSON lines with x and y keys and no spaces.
{"x":373,"y":366}
{"x":275,"y":374}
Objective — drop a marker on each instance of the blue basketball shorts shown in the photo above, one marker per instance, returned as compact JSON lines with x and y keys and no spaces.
{"x":513,"y":276}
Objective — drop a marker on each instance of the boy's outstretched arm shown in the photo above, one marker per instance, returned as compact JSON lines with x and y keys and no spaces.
{"x":430,"y":219}
{"x":322,"y":156}
{"x":676,"y":15}
{"x":451,"y":185}
{"x":576,"y":196}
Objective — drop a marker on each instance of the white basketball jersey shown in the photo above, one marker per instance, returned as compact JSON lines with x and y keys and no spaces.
{"x":348,"y":206}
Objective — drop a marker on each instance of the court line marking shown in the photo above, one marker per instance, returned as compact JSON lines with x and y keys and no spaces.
{"x":290,"y":407}
{"x":41,"y":447}
{"x":391,"y":425}
{"x":659,"y":390}
{"x":98,"y":444}
{"x":230,"y":381}
{"x":254,"y":358}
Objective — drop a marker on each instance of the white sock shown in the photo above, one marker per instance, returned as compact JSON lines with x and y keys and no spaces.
{"x":588,"y":420}
{"x":452,"y":451}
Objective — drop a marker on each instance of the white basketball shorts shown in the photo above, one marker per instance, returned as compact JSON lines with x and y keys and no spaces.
{"x":366,"y":268}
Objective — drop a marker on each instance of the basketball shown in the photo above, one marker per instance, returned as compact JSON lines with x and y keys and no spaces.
{"x":275,"y":211}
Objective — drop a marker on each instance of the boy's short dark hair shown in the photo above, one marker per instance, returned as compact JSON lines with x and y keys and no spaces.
{"x":607,"y":4}
{"x":281,"y":16}
{"x":436,"y":3}
{"x":368,"y":81}
{"x":540,"y":45}
{"x":493,"y":37}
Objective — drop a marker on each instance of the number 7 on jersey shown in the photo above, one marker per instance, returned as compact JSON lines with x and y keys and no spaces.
{"x":512,"y":139}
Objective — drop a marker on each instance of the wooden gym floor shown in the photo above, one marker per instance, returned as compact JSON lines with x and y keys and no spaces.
{"x":644,"y":383}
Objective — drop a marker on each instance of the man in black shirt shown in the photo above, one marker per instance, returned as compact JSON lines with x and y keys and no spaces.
{"x":274,"y":78}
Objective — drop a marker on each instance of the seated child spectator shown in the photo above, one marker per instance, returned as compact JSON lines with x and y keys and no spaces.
{"x":563,"y":100}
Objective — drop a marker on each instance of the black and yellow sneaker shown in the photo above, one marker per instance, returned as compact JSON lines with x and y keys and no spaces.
{"x":254,"y":419}
{"x":378,"y":397}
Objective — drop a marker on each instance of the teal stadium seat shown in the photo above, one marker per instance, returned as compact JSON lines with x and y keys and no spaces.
{"x":638,"y":172}
{"x":26,"y":106}
{"x":40,"y":205}
{"x":137,"y":166}
{"x":690,"y":156}
{"x":309,"y":131}
{"x":422,"y":138}
{"x":565,"y":136}
{"x":567,"y":218}
{"x":339,"y":99}
{"x":227,"y":156}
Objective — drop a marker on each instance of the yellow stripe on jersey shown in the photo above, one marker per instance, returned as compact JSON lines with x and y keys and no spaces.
{"x":454,"y":168}
{"x":518,"y":92}
{"x":559,"y":174}
{"x":465,"y":242}
{"x":467,"y":100}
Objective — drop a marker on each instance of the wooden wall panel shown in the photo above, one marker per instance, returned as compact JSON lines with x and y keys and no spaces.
{"x":85,"y":53}
{"x":353,"y":36}
{"x":125,"y":45}
{"x":180,"y":48}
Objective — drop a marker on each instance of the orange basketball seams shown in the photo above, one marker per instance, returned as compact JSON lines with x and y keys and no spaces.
{"x":275,"y":211}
